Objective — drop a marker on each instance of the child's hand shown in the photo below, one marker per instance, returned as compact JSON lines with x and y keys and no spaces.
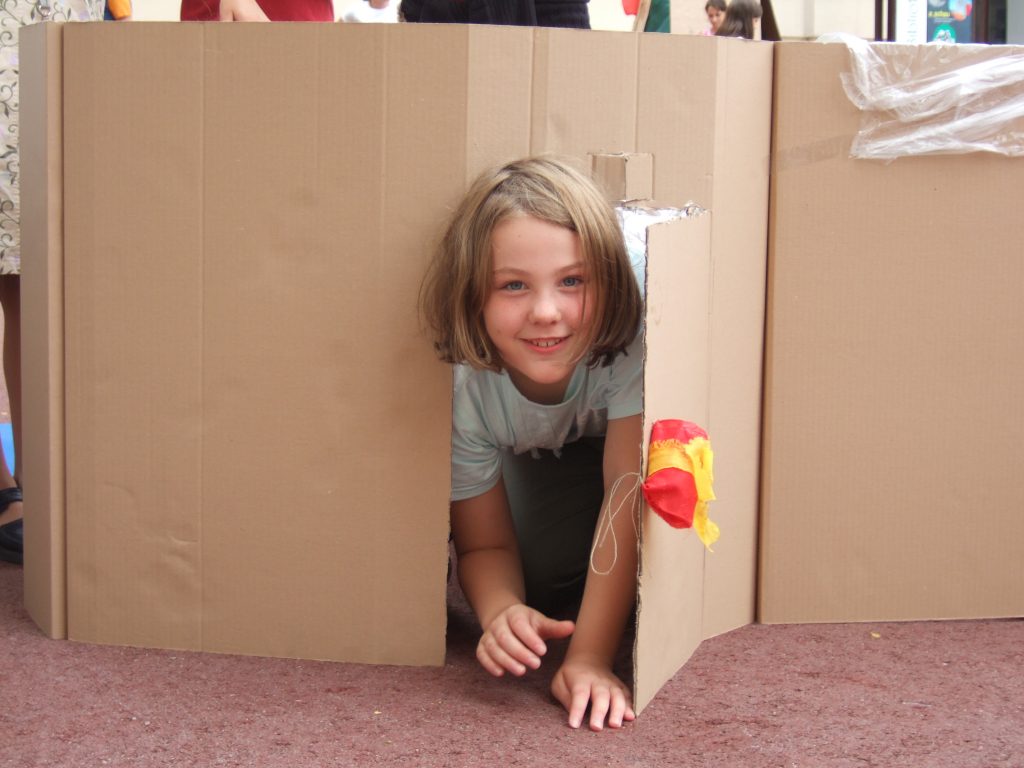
{"x":514,"y":640}
{"x":580,"y":681}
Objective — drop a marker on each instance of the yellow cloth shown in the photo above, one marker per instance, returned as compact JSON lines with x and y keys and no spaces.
{"x":696,"y":458}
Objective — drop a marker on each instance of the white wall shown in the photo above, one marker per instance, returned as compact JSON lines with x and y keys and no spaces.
{"x":155,"y":10}
{"x":607,"y":14}
{"x":1015,"y":21}
{"x":811,"y":18}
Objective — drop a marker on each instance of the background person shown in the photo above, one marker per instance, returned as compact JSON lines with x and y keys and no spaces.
{"x":742,"y":19}
{"x":251,"y":10}
{"x":715,"y":10}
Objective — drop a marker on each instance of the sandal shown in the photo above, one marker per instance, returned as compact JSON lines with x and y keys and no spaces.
{"x":11,"y":534}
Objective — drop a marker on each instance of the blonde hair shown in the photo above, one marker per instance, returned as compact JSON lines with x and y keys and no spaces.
{"x":459,"y":279}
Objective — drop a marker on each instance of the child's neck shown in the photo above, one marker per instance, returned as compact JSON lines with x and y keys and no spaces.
{"x":538,"y":392}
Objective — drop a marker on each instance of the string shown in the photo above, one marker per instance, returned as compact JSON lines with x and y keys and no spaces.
{"x":605,"y":525}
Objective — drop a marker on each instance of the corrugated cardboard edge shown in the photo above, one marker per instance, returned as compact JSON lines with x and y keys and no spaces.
{"x":42,"y":286}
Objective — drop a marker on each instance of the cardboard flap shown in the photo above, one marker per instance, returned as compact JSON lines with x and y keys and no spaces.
{"x":677,"y":339}
{"x":42,"y":310}
{"x":258,"y":304}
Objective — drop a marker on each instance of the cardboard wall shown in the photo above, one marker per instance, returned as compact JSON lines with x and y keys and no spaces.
{"x":893,"y":425}
{"x":42,"y":288}
{"x":245,"y":377}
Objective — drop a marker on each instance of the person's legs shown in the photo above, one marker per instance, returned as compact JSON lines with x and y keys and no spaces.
{"x":10,"y":300}
{"x":10,"y":494}
{"x":555,"y":503}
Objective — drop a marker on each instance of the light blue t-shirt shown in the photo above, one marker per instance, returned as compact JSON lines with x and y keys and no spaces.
{"x":489,"y":415}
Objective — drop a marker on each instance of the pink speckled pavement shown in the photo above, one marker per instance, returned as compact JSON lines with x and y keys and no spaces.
{"x":921,"y":695}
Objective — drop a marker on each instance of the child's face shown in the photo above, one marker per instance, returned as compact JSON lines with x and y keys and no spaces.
{"x":715,"y":17}
{"x":540,"y":302}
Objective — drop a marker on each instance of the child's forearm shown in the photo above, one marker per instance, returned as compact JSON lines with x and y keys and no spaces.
{"x":607,"y":604}
{"x":611,"y":580}
{"x":492,"y":581}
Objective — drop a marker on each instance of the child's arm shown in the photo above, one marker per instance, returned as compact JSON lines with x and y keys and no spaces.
{"x":586,"y":675}
{"x":241,"y":10}
{"x":491,"y":576}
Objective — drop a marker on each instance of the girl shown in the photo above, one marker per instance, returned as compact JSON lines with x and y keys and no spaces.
{"x":715,"y":10}
{"x":532,"y":294}
{"x":742,"y":19}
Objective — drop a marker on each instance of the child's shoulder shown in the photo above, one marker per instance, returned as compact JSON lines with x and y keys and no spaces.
{"x":477,"y":388}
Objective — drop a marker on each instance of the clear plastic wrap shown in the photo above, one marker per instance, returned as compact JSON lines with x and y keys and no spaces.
{"x":934,"y":99}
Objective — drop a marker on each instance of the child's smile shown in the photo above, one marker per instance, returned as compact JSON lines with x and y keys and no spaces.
{"x":539,"y":306}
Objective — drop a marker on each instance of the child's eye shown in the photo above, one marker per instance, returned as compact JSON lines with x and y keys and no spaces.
{"x":513,"y":285}
{"x":572,"y":282}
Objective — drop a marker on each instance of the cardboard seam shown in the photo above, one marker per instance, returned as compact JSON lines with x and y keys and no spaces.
{"x":61,"y":406}
{"x":636,"y":99}
{"x":200,"y":550}
{"x":534,"y":89}
{"x":761,"y":535}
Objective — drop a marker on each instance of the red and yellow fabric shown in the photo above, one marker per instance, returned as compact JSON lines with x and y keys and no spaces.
{"x":679,"y":477}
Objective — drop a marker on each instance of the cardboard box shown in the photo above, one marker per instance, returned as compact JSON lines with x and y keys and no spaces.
{"x":247,"y":445}
{"x":893,"y":423}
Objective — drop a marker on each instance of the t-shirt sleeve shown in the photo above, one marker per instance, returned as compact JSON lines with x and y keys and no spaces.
{"x":625,"y":394}
{"x":476,"y":460}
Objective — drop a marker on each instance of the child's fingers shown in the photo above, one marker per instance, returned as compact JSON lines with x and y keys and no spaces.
{"x":487,"y":662}
{"x":554,"y":630}
{"x":505,"y":649}
{"x":578,"y":705}
{"x":531,"y":629}
{"x":599,"y":700}
{"x":618,"y":709}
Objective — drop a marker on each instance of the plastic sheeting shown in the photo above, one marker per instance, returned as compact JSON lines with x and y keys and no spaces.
{"x":934,"y":99}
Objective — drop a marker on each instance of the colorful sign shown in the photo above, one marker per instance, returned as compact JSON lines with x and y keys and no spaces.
{"x":934,"y":21}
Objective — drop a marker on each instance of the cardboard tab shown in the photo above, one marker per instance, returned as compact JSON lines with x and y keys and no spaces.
{"x":624,"y":176}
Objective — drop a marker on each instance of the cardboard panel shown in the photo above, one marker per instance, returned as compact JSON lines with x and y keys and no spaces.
{"x":573,"y":120}
{"x":677,"y":342}
{"x":705,"y":114}
{"x":42,"y":308}
{"x":133,"y":214}
{"x":259,"y":315}
{"x":892,"y":487}
{"x":246,"y":375}
{"x":739,"y":205}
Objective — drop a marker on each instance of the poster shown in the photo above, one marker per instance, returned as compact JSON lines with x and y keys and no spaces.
{"x":931,"y":21}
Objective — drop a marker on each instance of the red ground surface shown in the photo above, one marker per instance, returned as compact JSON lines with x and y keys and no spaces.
{"x":921,"y":695}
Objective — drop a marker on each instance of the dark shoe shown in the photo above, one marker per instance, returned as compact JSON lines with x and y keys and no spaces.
{"x":12,"y":534}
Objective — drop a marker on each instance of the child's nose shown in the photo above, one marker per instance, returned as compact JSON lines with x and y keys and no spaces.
{"x":545,"y":309}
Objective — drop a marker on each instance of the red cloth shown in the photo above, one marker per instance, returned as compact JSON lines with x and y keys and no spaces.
{"x":277,"y":10}
{"x":672,"y":491}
